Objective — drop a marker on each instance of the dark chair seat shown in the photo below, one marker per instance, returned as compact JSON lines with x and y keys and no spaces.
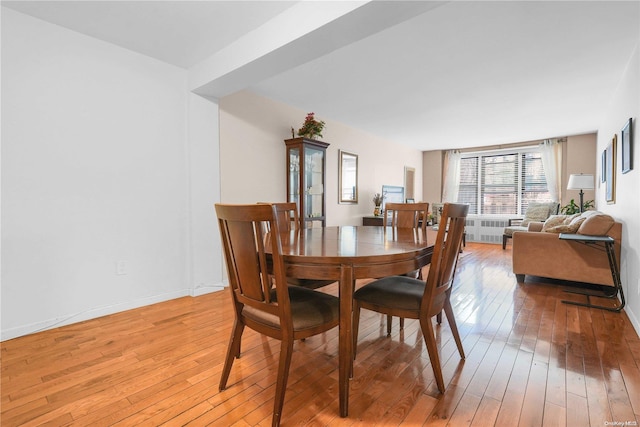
{"x":402,"y":292}
{"x":309,"y":309}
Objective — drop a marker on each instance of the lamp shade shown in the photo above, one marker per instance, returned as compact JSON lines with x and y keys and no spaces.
{"x":580,"y":181}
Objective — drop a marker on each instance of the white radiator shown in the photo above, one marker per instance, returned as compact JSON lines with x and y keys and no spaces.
{"x":485,"y":229}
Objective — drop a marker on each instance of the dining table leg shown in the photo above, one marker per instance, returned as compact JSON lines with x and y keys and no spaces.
{"x":345,"y":289}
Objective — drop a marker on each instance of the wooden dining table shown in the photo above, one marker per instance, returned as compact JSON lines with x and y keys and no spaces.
{"x":347,"y":253}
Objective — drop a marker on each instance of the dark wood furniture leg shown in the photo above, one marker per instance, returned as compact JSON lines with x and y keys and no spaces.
{"x":504,"y":240}
{"x":609,"y":246}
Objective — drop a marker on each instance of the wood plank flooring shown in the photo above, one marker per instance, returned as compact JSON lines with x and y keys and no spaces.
{"x":531,"y":361}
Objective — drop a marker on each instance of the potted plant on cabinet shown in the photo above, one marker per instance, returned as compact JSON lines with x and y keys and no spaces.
{"x":311,"y":128}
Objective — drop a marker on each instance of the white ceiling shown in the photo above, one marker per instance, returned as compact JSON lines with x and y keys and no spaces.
{"x":453,"y":74}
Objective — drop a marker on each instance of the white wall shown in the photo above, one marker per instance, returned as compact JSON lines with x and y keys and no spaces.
{"x":432,"y":176}
{"x":577,"y":157}
{"x":205,"y":250}
{"x":625,"y":103}
{"x":252,"y":134}
{"x":95,"y":146}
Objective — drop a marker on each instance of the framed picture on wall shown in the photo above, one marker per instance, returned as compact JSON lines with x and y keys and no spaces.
{"x":603,"y":166}
{"x":626,"y":141}
{"x":611,"y":171}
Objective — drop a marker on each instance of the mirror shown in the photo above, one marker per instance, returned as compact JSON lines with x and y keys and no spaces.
{"x":348,"y":177}
{"x":409,"y":182}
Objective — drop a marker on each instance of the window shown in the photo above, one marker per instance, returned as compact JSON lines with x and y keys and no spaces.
{"x":502,"y":183}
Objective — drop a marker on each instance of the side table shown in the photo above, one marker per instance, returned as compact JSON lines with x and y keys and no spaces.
{"x":605,"y":243}
{"x":373,"y":220}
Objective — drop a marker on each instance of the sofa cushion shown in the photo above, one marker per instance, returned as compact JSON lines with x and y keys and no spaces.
{"x":509,"y":230}
{"x":595,"y":223}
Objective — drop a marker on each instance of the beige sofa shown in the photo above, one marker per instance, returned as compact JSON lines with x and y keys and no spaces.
{"x":540,"y":252}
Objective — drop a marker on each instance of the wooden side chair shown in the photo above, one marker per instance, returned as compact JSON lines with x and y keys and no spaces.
{"x":407,"y":297}
{"x":288,"y":220}
{"x":407,"y":217}
{"x":262,"y":299}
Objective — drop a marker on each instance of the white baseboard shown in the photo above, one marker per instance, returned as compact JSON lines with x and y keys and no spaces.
{"x":202,"y":289}
{"x":634,"y":320}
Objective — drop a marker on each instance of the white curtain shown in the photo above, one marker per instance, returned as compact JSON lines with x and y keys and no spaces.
{"x":451,"y":176}
{"x":551,"y":150}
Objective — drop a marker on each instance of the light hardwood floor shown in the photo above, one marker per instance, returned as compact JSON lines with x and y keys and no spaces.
{"x":531,"y":361}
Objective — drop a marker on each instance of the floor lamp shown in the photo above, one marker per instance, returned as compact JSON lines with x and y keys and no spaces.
{"x":580,"y":181}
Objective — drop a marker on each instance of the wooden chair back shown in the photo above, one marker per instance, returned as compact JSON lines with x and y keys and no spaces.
{"x":252,"y":274}
{"x":408,"y":215}
{"x":288,"y":220}
{"x":444,"y":258}
{"x":287,"y":216}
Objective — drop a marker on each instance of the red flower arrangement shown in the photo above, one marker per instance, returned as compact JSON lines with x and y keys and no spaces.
{"x":311,"y":127}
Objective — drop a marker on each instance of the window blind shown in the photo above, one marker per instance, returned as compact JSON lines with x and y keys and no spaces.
{"x":502,"y":183}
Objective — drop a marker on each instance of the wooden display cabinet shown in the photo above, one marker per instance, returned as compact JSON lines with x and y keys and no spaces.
{"x":306,"y":179}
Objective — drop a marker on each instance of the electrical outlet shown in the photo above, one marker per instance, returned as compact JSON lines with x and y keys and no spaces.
{"x":121,"y":268}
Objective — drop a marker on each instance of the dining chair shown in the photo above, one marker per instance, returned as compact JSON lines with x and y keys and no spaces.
{"x":262,"y":299}
{"x":407,"y":216}
{"x":288,"y":220}
{"x":412,"y":298}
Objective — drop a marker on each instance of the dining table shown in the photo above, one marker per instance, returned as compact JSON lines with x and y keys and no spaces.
{"x":347,"y":253}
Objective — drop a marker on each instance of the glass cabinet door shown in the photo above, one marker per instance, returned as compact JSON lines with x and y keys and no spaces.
{"x":306,"y":169}
{"x":314,"y":182}
{"x":294,"y":176}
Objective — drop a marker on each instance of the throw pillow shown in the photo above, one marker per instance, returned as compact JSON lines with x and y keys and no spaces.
{"x":552,"y":221}
{"x":596,"y":225}
{"x":562,"y":229}
{"x":563,"y":224}
{"x":577,"y":222}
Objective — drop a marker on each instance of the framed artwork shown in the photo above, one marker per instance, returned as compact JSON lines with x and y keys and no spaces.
{"x":603,"y":166}
{"x":611,"y":171}
{"x":626,"y":141}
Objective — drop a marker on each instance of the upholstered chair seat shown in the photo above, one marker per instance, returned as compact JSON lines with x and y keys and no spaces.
{"x":309,"y":309}
{"x":402,"y":292}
